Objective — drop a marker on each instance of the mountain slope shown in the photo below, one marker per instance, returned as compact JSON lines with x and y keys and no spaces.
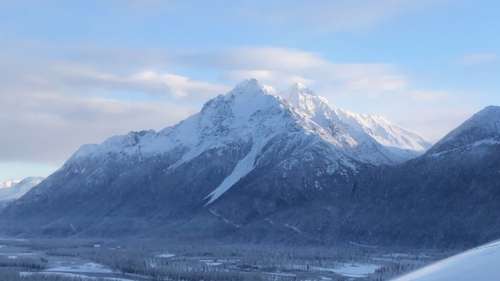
{"x":247,"y":140}
{"x":449,"y":196}
{"x":481,"y":129}
{"x":436,"y":200}
{"x":377,"y":139}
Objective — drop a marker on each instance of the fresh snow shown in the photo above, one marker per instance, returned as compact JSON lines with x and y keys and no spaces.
{"x":244,"y":166}
{"x":213,"y":262}
{"x":89,"y":267}
{"x":251,"y":115}
{"x":238,"y":113}
{"x":353,"y":270}
{"x":165,"y":256}
{"x":478,"y":264}
{"x":372,"y":138}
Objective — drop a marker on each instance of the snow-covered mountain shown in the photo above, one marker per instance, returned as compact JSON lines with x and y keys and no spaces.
{"x":276,"y":149}
{"x":478,"y":264}
{"x":253,"y":115}
{"x":14,"y":189}
{"x":374,"y":138}
{"x":451,"y":193}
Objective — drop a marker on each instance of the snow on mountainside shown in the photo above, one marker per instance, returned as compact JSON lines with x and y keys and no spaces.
{"x":481,"y":129}
{"x":479,"y":264}
{"x":14,"y":189}
{"x":252,"y":114}
{"x":369,"y":132}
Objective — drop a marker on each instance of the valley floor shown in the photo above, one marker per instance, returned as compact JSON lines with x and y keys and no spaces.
{"x":127,"y":260}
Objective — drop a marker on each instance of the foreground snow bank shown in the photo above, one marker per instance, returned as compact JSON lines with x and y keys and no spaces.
{"x":478,"y":264}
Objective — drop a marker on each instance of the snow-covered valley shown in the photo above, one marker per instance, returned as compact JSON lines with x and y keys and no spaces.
{"x":115,"y":260}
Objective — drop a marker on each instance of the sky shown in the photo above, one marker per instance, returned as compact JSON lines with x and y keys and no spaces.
{"x":76,"y":72}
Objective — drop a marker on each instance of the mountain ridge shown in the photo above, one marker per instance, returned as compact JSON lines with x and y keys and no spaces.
{"x":253,"y":166}
{"x":481,"y":127}
{"x":246,"y":102}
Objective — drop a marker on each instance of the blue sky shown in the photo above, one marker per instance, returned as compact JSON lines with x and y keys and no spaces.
{"x":76,"y":72}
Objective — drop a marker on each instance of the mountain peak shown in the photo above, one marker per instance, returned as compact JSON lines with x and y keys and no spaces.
{"x":251,"y":92}
{"x":482,"y":128}
{"x":300,"y":88}
{"x":249,"y":86}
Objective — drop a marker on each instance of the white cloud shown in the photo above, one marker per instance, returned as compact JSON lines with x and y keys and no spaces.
{"x":434,"y":122}
{"x":57,"y":105}
{"x":48,"y":127}
{"x":51,"y":107}
{"x":365,"y":87}
{"x":179,"y":86}
{"x":143,"y":81}
{"x":273,"y":58}
{"x":281,"y":67}
{"x":276,"y":79}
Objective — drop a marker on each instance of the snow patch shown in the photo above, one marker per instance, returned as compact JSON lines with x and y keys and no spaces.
{"x":243,"y":168}
{"x":89,"y":267}
{"x":165,"y":256}
{"x":353,"y":270}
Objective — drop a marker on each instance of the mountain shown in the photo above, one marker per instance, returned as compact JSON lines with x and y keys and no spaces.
{"x":483,"y":129}
{"x":254,"y":165}
{"x":246,"y":156}
{"x":13,"y":189}
{"x":478,"y":264}
{"x":448,"y":196}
